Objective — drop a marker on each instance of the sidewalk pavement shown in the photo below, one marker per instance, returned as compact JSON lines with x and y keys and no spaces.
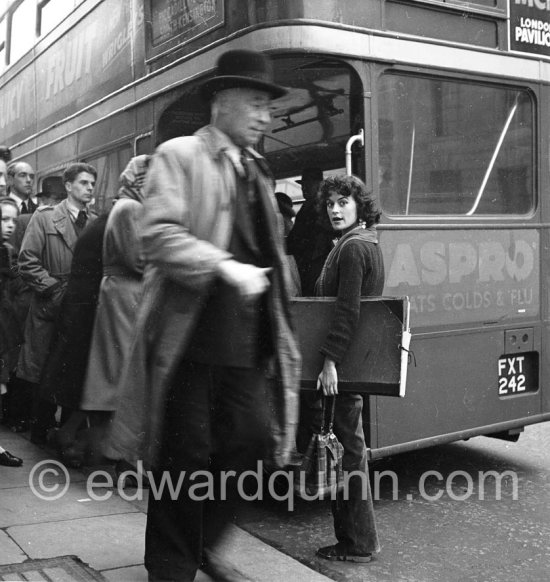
{"x":101,"y":526}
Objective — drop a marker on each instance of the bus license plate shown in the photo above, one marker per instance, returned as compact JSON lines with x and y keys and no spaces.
{"x":518,"y":374}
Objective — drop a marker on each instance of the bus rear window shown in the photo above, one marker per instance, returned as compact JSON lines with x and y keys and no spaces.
{"x":453,"y":147}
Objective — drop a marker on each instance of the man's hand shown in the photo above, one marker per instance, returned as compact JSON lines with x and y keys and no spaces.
{"x":250,"y":281}
{"x":328,"y":378}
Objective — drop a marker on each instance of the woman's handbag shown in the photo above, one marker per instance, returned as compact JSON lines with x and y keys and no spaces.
{"x":320,"y":473}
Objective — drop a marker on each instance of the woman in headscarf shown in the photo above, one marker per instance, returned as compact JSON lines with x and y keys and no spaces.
{"x":119,"y":296}
{"x":353,"y":269}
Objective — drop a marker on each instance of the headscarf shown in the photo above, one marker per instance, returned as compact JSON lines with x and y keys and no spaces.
{"x":132,"y":178}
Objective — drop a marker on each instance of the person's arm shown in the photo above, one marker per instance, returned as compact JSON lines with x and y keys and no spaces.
{"x":31,"y":267}
{"x":168,"y":243}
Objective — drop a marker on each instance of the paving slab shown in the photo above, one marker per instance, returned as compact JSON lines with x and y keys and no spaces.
{"x":10,"y":552}
{"x":139,"y":574}
{"x":131,"y":574}
{"x":263,"y":563}
{"x":106,"y":542}
{"x":20,"y":506}
{"x":12,"y":477}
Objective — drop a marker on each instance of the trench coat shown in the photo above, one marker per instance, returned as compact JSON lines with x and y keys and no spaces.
{"x":44,"y":264}
{"x":188,"y":221}
{"x":65,"y":369}
{"x":119,"y":297}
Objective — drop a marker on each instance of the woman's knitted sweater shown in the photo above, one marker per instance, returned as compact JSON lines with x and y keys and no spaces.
{"x":358,"y":272}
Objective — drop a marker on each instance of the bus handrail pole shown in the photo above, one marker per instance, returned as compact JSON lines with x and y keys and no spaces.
{"x":411,"y":167}
{"x":494,"y":158}
{"x":358,"y":137}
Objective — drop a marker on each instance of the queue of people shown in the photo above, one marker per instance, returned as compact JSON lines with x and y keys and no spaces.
{"x":163,"y":330}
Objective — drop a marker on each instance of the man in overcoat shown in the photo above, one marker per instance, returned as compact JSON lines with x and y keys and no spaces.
{"x":215,"y":319}
{"x":45,"y":263}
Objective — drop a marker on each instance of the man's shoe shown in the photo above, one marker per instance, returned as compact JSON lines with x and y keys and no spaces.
{"x":9,"y":460}
{"x":341,"y":553}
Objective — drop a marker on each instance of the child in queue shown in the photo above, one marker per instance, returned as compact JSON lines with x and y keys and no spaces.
{"x":9,"y":328}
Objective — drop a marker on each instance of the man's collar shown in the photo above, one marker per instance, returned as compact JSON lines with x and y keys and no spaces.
{"x":18,"y":199}
{"x":74,"y":210}
{"x":219,"y":142}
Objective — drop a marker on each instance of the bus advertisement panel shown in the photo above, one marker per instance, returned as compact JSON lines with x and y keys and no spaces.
{"x":464,"y":276}
{"x":173,"y":22}
{"x":88,"y":62}
{"x":530,"y":26}
{"x":17,"y":106}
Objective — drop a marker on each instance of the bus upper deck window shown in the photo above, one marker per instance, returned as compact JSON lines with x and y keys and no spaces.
{"x":452,"y":147}
{"x":313,"y":122}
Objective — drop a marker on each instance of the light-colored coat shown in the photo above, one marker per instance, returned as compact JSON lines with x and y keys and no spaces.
{"x":188,"y":222}
{"x":44,"y":260}
{"x":119,"y":297}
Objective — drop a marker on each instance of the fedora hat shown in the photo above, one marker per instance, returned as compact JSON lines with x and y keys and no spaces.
{"x":314,"y":174}
{"x":243,"y":68}
{"x":52,"y":188}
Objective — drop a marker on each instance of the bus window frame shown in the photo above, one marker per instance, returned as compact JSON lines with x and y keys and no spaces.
{"x":355,"y":67}
{"x":40,"y":5}
{"x":102,"y":198}
{"x":530,"y":88}
{"x":9,"y":32}
{"x":4,"y":44}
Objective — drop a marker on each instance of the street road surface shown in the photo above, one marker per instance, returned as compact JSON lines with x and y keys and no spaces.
{"x":440,"y":515}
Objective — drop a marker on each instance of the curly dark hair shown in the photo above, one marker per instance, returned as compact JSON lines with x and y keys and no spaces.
{"x":367,"y":205}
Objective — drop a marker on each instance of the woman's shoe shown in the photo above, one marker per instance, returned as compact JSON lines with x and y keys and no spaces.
{"x":9,"y":460}
{"x":341,"y":553}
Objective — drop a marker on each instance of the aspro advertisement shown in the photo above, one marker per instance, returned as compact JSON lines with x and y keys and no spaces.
{"x":464,"y":276}
{"x":530,"y":26}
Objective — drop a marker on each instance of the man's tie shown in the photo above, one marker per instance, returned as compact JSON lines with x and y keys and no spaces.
{"x":24,"y":209}
{"x":249,"y":169}
{"x":80,"y":221}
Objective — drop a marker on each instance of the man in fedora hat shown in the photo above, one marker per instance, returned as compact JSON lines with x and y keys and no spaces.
{"x":214,"y":319}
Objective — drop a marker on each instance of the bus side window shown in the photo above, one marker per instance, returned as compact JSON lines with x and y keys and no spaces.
{"x":109,"y":166}
{"x":454,"y":147}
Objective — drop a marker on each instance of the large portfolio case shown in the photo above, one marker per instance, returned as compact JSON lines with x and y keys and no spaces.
{"x":376,"y":362}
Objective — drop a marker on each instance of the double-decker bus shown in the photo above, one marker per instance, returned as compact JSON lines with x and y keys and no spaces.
{"x":450,"y":103}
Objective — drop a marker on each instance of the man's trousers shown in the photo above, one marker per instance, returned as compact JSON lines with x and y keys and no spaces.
{"x":215,"y":422}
